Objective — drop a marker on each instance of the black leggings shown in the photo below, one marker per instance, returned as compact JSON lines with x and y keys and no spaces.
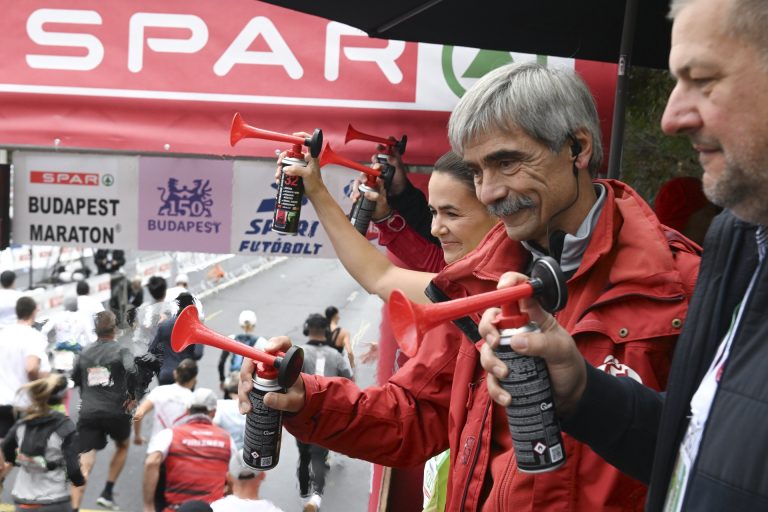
{"x":316,"y":455}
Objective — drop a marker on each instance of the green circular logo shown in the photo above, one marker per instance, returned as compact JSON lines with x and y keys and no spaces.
{"x":479,"y":63}
{"x":107,"y":180}
{"x":449,"y":74}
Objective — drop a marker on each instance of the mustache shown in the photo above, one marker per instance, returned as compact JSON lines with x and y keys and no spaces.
{"x":510,"y":205}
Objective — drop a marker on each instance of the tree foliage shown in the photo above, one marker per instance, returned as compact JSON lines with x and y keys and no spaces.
{"x":650,"y":157}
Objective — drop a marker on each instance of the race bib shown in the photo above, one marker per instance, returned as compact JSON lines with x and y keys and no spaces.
{"x":320,"y":366}
{"x":99,"y":376}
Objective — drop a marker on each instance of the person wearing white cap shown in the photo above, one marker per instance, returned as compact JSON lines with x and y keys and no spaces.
{"x":196,"y":455}
{"x":245,"y":484}
{"x":247,"y":320}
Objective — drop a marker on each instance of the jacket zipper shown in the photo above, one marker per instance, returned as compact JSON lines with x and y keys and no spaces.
{"x":471,"y":397}
{"x":474,"y":460}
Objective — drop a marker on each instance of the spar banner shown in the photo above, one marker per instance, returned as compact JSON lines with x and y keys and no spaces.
{"x":185,"y":204}
{"x":145,"y":203}
{"x":254,"y":205}
{"x":167,"y":77}
{"x":75,"y":200}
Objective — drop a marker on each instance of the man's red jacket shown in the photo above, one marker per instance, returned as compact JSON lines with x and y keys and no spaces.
{"x":627,"y":303}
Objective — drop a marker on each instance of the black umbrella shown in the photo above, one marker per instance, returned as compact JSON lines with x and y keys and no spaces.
{"x":602,"y":30}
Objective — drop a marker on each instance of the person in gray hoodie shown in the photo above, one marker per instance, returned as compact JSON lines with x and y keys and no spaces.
{"x":43,"y":445}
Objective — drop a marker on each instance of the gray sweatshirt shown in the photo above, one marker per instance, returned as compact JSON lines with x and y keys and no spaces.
{"x":320,"y":359}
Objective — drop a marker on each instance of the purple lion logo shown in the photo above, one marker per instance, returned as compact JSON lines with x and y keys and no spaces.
{"x":182,"y":201}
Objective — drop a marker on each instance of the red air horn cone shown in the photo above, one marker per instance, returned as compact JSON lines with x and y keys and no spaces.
{"x":187,"y":330}
{"x":410,"y":321}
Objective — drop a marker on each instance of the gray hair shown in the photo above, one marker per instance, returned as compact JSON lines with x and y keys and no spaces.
{"x":548,"y":104}
{"x":747,"y":20}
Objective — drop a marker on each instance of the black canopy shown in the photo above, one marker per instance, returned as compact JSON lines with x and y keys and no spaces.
{"x":603,"y":30}
{"x":582,"y":29}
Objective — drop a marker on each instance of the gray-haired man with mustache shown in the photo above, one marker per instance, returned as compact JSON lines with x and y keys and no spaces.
{"x":531,"y":135}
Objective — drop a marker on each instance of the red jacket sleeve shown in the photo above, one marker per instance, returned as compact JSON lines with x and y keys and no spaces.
{"x":411,"y":248}
{"x":399,"y":424}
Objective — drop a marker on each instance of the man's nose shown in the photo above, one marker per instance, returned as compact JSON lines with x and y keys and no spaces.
{"x":490,"y":189}
{"x":681,"y":114}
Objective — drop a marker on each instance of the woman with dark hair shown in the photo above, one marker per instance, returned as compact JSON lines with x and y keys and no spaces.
{"x":399,"y":223}
{"x":459,"y":221}
{"x":338,"y":337}
{"x":42,"y":444}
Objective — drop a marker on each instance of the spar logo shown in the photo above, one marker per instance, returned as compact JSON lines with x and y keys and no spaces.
{"x":463,"y":66}
{"x":180,"y":200}
{"x":85,"y":179}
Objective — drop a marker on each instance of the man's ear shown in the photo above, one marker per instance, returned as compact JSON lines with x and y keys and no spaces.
{"x":581,"y":140}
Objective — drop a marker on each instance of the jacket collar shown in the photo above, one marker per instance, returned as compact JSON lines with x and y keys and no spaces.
{"x":624,"y":211}
{"x":573,"y":246}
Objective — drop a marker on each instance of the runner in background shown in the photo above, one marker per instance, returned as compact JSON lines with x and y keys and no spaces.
{"x":104,"y":372}
{"x":247,"y":320}
{"x":161,"y":345}
{"x":338,"y":337}
{"x":22,"y":360}
{"x":8,"y":297}
{"x":150,"y":314}
{"x":228,"y":414}
{"x":42,"y":445}
{"x":170,"y":404}
{"x":169,"y":401}
{"x":319,"y":359}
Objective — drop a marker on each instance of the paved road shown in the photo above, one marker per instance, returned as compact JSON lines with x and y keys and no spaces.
{"x":282,"y":297}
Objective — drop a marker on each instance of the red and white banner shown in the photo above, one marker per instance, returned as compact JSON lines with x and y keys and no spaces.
{"x":166,"y":77}
{"x":75,"y":200}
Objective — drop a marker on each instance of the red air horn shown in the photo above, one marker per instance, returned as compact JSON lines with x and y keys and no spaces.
{"x":353,"y":134}
{"x":410,"y":321}
{"x":363,"y":209}
{"x":241,"y":130}
{"x":331,"y":157}
{"x":290,"y":189}
{"x":387,"y":170}
{"x":188,"y":331}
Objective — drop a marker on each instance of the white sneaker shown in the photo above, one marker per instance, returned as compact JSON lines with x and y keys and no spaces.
{"x":107,"y":503}
{"x":313,"y":504}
